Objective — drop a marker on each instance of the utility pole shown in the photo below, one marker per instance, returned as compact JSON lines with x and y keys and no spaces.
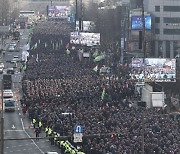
{"x":143,"y":123}
{"x":143,"y":31}
{"x":76,"y":13}
{"x":81,"y":16}
{"x":2,"y":122}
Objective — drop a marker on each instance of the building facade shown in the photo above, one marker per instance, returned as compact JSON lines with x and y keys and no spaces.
{"x":166,"y":26}
{"x":135,"y":27}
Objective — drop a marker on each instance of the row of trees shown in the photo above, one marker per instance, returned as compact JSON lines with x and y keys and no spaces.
{"x":8,"y":11}
{"x":108,"y":20}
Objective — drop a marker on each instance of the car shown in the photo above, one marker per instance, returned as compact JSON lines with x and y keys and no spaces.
{"x":1,"y":70}
{"x":51,"y":153}
{"x":1,"y":65}
{"x":15,"y":59}
{"x":11,"y":48}
{"x":8,"y":93}
{"x":9,"y":105}
{"x":13,"y":44}
{"x":10,"y":71}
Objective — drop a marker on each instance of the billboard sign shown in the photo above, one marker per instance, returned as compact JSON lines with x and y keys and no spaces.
{"x":136,"y":23}
{"x":88,"y":26}
{"x":82,"y":38}
{"x":61,"y":12}
{"x":154,"y":69}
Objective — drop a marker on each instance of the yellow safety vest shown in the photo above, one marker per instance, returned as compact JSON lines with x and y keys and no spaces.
{"x":40,"y":124}
{"x":46,"y":130}
{"x":73,"y":152}
{"x":49,"y":131}
{"x":55,"y":137}
{"x":34,"y":121}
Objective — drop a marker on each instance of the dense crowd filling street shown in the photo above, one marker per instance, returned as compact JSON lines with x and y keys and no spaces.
{"x":55,"y":83}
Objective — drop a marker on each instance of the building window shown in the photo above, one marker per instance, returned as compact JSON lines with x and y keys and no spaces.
{"x":157,"y":19}
{"x":171,"y":20}
{"x":171,"y":31}
{"x":157,"y":8}
{"x":171,"y":8}
{"x":157,"y":31}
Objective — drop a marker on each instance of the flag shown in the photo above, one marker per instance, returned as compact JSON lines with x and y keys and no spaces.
{"x":95,"y":54}
{"x":45,"y":45}
{"x":95,"y":68}
{"x":103,"y":93}
{"x":67,"y":46}
{"x":37,"y":58}
{"x":57,"y":46}
{"x":99,"y":58}
{"x":68,"y":52}
{"x":35,"y":46}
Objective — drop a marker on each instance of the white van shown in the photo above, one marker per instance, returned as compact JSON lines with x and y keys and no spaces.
{"x":8,"y":100}
{"x":7,"y":94}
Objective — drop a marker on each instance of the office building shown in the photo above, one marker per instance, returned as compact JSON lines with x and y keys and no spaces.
{"x":166,"y":26}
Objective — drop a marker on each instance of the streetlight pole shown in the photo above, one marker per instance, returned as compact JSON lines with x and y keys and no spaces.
{"x":143,"y":123}
{"x":76,"y":13}
{"x":143,"y":31}
{"x":2,"y":122}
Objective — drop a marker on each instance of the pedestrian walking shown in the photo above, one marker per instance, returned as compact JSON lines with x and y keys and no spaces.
{"x":37,"y":133}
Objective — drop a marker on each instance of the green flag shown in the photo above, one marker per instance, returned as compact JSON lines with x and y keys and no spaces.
{"x":45,"y":45}
{"x":95,"y":54}
{"x":99,"y":58}
{"x":103,"y":93}
{"x":35,"y":46}
{"x":95,"y":69}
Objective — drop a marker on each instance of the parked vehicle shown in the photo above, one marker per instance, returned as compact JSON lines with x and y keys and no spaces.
{"x":9,"y":105}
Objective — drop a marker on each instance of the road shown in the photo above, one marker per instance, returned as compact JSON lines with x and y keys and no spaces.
{"x":16,"y":125}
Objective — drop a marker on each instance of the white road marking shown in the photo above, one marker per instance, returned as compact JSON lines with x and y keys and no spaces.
{"x":10,"y":130}
{"x":30,"y":137}
{"x":22,"y":124}
{"x":13,"y":127}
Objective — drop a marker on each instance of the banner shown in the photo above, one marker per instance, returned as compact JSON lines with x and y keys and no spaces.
{"x":82,"y":38}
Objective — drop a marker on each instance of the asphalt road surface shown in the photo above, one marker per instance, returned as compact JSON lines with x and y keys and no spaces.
{"x":16,"y":125}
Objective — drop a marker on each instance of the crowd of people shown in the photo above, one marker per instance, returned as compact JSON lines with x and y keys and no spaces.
{"x":58,"y":83}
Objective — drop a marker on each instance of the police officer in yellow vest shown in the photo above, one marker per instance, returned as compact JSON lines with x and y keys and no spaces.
{"x":40,"y":126}
{"x":55,"y":138}
{"x":50,"y":134}
{"x":62,"y":146}
{"x":34,"y":122}
{"x":46,"y":131}
{"x":73,"y":151}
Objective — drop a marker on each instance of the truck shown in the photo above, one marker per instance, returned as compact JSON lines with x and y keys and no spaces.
{"x":22,"y":25}
{"x":7,"y":81}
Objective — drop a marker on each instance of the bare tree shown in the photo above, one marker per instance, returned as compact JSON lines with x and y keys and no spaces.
{"x":4,"y":12}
